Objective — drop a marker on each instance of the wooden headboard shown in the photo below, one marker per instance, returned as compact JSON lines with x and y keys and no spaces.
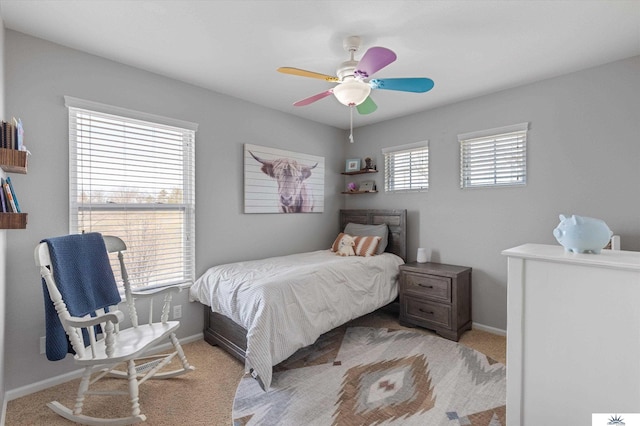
{"x":396,"y":220}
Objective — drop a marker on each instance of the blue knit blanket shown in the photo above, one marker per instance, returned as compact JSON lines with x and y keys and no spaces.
{"x":85,"y":279}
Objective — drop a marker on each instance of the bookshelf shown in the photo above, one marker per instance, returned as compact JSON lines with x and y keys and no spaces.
{"x":13,"y":161}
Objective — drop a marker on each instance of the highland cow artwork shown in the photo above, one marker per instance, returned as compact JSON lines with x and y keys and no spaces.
{"x":278,"y":181}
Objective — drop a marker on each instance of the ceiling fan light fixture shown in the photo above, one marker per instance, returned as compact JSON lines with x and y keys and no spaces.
{"x":352,"y":92}
{"x":354,"y":87}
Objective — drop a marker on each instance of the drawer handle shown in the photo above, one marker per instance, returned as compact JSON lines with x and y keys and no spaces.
{"x":425,"y":312}
{"x":426,"y":286}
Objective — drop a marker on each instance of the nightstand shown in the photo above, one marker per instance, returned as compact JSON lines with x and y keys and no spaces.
{"x":436,"y":296}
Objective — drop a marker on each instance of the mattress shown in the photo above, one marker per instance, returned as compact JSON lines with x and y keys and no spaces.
{"x":285,"y":303}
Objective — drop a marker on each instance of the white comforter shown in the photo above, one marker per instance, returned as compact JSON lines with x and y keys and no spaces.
{"x":285,"y":303}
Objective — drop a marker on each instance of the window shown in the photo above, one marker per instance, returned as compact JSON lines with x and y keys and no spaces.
{"x":406,"y":167}
{"x":494,"y":157}
{"x":132,"y":175}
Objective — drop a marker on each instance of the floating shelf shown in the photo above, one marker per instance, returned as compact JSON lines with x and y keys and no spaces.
{"x":13,"y":161}
{"x":358,"y":192}
{"x":13,"y":220}
{"x":360,"y":172}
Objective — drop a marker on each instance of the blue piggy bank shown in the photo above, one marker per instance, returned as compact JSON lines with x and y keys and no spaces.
{"x":582,"y":234}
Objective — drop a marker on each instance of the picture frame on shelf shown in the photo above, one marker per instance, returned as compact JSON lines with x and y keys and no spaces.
{"x":352,"y":165}
{"x":366,"y":186}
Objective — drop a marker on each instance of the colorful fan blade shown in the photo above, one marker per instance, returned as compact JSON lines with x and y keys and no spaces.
{"x":374,"y":60}
{"x":313,"y":98}
{"x":305,"y":73}
{"x":416,"y":85}
{"x":367,"y":107}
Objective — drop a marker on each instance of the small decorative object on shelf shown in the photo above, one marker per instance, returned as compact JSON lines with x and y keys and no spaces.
{"x":352,"y":165}
{"x":351,"y":187}
{"x":580,"y":234}
{"x":368,"y":164}
{"x":367,"y":186}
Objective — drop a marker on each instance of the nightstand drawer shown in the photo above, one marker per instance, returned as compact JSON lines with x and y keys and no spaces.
{"x":420,"y":310}
{"x":430,"y":286}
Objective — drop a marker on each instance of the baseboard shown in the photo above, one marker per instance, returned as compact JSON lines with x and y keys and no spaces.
{"x":488,"y":329}
{"x":4,"y":410}
{"x":63,"y":378}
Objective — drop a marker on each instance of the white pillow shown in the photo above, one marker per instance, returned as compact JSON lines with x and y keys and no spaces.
{"x":361,"y":230}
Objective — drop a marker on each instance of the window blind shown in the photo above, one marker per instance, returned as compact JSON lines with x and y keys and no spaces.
{"x":406,"y":167}
{"x":135,"y":179}
{"x":494,"y":157}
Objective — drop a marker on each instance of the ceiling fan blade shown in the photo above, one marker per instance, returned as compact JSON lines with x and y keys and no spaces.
{"x":374,"y":60}
{"x":305,"y":73}
{"x":416,"y":85}
{"x":367,"y":107}
{"x":313,"y":98}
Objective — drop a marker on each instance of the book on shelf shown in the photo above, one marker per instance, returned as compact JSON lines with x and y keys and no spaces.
{"x":19,"y":134}
{"x":5,"y":139}
{"x":7,"y":135}
{"x":11,"y":206}
{"x":3,"y":189}
{"x":12,"y":134}
{"x":10,"y":200}
{"x":3,"y":201}
{"x":13,"y":194}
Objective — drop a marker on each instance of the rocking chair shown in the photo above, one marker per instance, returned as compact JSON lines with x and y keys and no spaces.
{"x":82,"y":317}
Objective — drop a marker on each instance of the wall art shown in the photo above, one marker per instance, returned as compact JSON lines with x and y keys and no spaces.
{"x":279,"y":181}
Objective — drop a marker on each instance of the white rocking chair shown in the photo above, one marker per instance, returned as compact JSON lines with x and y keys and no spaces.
{"x":102,"y":351}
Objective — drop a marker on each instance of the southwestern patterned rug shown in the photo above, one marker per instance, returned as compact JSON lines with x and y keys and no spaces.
{"x":371,"y":376}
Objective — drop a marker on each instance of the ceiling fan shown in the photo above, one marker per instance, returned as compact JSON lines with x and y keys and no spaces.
{"x":353,"y":78}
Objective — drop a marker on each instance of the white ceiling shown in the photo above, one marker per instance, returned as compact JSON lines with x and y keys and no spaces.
{"x":469,"y":48}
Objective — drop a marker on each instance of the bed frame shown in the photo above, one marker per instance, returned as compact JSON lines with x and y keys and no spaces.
{"x":222,"y":331}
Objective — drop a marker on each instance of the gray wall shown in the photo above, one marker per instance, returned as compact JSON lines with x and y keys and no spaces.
{"x":583,"y":158}
{"x":3,"y":247}
{"x":39,"y":74}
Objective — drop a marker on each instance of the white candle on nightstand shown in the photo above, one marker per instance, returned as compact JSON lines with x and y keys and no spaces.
{"x":422,"y":255}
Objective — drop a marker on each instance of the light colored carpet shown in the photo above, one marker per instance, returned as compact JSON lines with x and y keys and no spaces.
{"x":370,"y":376}
{"x":202,"y":397}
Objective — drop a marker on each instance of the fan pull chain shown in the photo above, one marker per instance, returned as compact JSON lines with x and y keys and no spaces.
{"x":351,"y":124}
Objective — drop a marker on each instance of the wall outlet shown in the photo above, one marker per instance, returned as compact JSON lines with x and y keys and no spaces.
{"x":43,"y":345}
{"x":177,"y":311}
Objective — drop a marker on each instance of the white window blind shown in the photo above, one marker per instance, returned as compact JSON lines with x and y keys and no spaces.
{"x":494,"y":157}
{"x":134,"y":178}
{"x":406,"y":167}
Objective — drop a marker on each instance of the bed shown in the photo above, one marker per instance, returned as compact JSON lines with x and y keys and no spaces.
{"x":259,"y":330}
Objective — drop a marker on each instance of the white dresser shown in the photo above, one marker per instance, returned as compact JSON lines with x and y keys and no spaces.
{"x":573,"y":335}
